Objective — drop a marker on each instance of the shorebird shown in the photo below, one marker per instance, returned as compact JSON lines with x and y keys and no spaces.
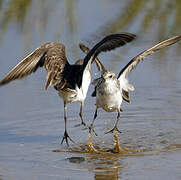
{"x":111,"y":90}
{"x":71,"y":81}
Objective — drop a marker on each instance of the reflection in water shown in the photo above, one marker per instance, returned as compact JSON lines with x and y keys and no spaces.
{"x":151,"y":124}
{"x":108,"y":165}
{"x":104,"y":166}
{"x":76,"y":159}
{"x":107,"y":173}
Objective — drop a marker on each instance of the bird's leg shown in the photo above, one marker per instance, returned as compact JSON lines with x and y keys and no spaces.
{"x":115,"y":128}
{"x":81,"y":117}
{"x":90,"y":146}
{"x":117,"y":148}
{"x":66,"y":136}
{"x":80,"y":114}
{"x":91,"y":127}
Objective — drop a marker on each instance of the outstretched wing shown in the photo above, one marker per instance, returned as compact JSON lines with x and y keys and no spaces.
{"x":86,"y":50}
{"x":108,"y":43}
{"x":50,"y":55}
{"x":122,"y":77}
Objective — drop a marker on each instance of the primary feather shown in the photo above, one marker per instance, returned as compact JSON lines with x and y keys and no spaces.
{"x":109,"y":43}
{"x":50,"y":55}
{"x":86,"y":50}
{"x":123,"y":75}
{"x":133,"y":63}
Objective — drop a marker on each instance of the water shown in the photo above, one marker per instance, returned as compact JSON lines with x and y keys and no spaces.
{"x":31,"y":118}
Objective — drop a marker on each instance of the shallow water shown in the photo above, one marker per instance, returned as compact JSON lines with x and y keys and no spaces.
{"x":31,"y":118}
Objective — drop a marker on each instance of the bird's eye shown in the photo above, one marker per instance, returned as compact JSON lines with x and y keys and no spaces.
{"x":110,"y":76}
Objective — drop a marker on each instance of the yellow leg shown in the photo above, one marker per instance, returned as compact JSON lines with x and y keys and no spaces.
{"x":117,"y":148}
{"x":90,"y":146}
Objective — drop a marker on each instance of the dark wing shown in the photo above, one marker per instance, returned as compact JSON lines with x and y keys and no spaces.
{"x":86,"y":50}
{"x":122,"y":77}
{"x":99,"y":65}
{"x":108,"y":43}
{"x":125,"y":95}
{"x":96,"y":82}
{"x":50,"y":55}
{"x":79,"y":62}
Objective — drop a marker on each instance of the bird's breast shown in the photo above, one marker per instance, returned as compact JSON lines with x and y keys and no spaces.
{"x":110,"y":102}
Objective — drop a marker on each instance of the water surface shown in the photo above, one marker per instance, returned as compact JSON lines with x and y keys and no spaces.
{"x":31,"y":118}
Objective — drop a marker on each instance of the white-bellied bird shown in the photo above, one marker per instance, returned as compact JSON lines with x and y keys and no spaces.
{"x":110,"y":89}
{"x":71,"y":81}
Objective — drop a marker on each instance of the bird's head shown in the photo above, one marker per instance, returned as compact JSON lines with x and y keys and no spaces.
{"x":109,"y":76}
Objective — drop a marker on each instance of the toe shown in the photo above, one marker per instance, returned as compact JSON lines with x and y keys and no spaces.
{"x":113,"y":130}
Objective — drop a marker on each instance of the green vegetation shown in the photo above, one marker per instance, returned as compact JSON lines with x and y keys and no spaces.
{"x":163,"y":15}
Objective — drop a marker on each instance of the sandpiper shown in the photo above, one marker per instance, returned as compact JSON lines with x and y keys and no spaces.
{"x":111,"y":90}
{"x":71,"y":81}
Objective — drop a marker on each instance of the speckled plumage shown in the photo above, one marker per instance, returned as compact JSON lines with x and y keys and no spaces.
{"x":71,"y":81}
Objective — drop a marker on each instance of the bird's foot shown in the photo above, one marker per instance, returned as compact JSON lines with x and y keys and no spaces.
{"x":82,"y":123}
{"x":91,"y":129}
{"x":90,"y":147}
{"x":117,"y":148}
{"x":115,"y":129}
{"x":66,"y":137}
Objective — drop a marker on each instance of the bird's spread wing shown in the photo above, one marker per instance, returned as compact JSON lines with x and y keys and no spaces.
{"x":86,"y":50}
{"x":122,"y":77}
{"x":108,"y":43}
{"x":50,"y":55}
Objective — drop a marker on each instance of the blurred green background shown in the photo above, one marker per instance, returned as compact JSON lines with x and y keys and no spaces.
{"x":31,"y":119}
